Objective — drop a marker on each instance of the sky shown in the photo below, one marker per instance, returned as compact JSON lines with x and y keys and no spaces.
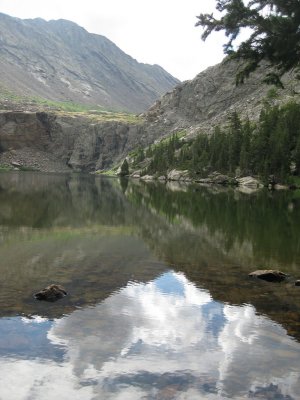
{"x":159,"y":32}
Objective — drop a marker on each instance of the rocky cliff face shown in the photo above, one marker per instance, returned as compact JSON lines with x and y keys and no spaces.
{"x":207,"y":100}
{"x":59,"y":60}
{"x":50,"y":142}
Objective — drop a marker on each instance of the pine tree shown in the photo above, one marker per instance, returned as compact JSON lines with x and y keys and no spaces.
{"x":140,"y":155}
{"x":297,"y":154}
{"x":235,"y":141}
{"x":274,"y":38}
{"x":244,"y":161}
{"x":124,"y":168}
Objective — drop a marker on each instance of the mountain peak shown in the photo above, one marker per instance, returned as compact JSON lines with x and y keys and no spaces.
{"x":61,"y":61}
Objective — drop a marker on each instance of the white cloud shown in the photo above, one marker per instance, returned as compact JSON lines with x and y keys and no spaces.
{"x":34,"y":319}
{"x":156,"y":32}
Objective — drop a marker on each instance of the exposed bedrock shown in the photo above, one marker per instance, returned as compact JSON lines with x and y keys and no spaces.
{"x":51,"y":142}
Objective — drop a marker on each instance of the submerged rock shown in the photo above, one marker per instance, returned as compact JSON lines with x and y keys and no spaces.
{"x":51,"y":293}
{"x":270,"y":275}
{"x":297,"y":283}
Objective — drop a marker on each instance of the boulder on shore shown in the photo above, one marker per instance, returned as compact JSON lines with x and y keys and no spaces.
{"x":51,"y":293}
{"x":249,"y":181}
{"x":147,"y":178}
{"x":16,"y":164}
{"x":270,"y":275}
{"x":178,"y":175}
{"x":136,"y":174}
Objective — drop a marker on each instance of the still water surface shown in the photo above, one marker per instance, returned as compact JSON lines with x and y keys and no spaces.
{"x":160,"y":305}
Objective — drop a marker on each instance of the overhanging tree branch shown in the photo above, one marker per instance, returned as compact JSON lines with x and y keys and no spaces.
{"x":275,"y":37}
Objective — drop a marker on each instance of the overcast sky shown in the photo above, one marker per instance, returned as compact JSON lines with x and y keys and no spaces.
{"x":156,"y":32}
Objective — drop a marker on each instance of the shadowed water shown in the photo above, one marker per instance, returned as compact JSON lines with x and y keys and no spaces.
{"x":160,"y":303}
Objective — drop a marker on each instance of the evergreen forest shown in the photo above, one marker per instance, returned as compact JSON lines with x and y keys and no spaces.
{"x":268,"y":147}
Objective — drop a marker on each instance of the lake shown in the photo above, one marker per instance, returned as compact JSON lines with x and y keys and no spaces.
{"x":159,"y":305}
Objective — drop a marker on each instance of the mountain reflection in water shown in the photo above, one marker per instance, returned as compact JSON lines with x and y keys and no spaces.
{"x":163,"y":339}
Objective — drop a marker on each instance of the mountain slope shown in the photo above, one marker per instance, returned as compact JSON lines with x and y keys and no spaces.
{"x":200,"y":104}
{"x":61,"y":61}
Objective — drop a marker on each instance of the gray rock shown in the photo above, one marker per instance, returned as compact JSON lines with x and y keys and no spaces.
{"x":177,"y":175}
{"x":16,"y":164}
{"x":136,"y":174}
{"x":147,"y":178}
{"x":249,"y":181}
{"x":270,"y":275}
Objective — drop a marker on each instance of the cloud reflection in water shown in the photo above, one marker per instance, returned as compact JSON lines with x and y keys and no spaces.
{"x":166,"y":339}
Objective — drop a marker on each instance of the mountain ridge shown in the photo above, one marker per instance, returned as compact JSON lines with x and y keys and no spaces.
{"x":61,"y":61}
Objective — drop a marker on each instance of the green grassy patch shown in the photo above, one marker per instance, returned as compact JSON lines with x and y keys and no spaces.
{"x":179,"y":135}
{"x":109,"y":172}
{"x":4,"y":168}
{"x":94,"y":112}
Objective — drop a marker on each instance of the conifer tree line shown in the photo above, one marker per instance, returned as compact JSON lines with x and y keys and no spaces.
{"x":270,"y":146}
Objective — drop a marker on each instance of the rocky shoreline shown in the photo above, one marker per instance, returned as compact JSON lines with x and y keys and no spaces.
{"x":34,"y":160}
{"x":245,"y":183}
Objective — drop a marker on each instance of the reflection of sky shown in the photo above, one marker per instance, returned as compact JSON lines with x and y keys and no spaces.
{"x":27,"y":338}
{"x":169,"y":284}
{"x":166,"y":339}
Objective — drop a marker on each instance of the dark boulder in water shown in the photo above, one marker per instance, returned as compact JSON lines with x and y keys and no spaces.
{"x":270,"y":275}
{"x":51,"y":293}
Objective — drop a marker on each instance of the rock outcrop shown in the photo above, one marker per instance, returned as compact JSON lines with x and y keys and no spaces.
{"x":200,"y":104}
{"x":176,"y":175}
{"x":249,"y":181}
{"x":58,"y":143}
